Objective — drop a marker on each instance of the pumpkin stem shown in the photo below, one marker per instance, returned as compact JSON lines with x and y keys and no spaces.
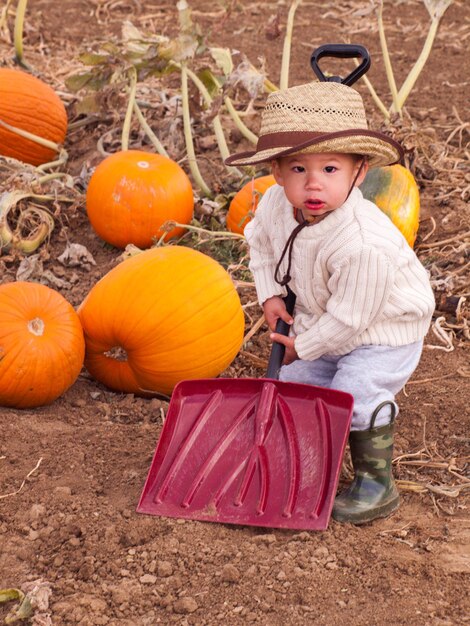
{"x":36,"y":326}
{"x":117,"y":352}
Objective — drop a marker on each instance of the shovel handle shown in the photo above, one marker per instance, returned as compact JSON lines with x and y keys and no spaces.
{"x":278,"y":349}
{"x":341,"y":51}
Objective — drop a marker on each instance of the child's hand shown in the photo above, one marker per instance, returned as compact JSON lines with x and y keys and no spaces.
{"x":274,"y":308}
{"x":290,"y":354}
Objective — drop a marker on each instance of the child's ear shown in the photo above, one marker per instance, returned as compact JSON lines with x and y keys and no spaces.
{"x":362,"y":174}
{"x":276,"y":172}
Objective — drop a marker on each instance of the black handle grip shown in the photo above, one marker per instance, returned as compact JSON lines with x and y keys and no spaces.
{"x":278,"y":349}
{"x":341,"y":51}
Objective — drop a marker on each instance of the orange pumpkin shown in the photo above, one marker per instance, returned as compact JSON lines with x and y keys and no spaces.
{"x":164,"y":315}
{"x":132,"y":193}
{"x":244,"y":203}
{"x":396,"y":193}
{"x":41,"y":345}
{"x":27,"y":103}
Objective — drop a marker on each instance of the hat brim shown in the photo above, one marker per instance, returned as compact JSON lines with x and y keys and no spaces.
{"x":377,"y":147}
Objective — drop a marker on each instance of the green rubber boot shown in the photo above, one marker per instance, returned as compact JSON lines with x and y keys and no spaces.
{"x":373,"y":492}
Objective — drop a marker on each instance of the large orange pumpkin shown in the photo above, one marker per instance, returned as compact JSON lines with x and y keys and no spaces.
{"x":396,"y":193}
{"x":164,"y":315}
{"x":27,"y":103}
{"x":244,"y":203}
{"x":41,"y":345}
{"x":132,"y":193}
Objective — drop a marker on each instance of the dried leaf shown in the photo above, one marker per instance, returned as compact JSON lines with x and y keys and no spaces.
{"x":437,"y":8}
{"x":78,"y":81}
{"x":249,"y":77}
{"x":30,"y":267}
{"x":223,"y":59}
{"x":75,"y":254}
{"x":93,"y":58}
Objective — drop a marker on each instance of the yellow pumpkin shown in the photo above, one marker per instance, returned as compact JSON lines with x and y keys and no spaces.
{"x":167,"y":314}
{"x":396,"y":193}
{"x":244,"y":203}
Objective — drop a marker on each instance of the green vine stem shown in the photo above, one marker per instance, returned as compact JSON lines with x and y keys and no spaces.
{"x":216,"y":123}
{"x":63,"y":155}
{"x":157,"y":144}
{"x":126,"y":127}
{"x":4,"y":14}
{"x":18,"y":33}
{"x":245,"y":131}
{"x":386,"y":57}
{"x":170,"y":225}
{"x":374,"y":95}
{"x":188,"y":137}
{"x":285,"y":64}
{"x":418,"y":66}
{"x":27,"y":135}
{"x":62,"y":160}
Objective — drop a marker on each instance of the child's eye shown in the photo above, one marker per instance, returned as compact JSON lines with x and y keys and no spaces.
{"x":329,"y":169}
{"x":298,"y":168}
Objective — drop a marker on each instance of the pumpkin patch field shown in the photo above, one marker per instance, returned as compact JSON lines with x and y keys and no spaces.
{"x":124,"y":269}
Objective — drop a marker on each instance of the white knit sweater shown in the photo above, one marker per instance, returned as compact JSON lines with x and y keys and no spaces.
{"x":357,"y":280}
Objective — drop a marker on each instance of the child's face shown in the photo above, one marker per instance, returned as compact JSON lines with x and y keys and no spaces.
{"x":317,"y":183}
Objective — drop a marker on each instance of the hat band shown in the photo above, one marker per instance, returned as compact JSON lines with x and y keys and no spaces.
{"x":294,"y":140}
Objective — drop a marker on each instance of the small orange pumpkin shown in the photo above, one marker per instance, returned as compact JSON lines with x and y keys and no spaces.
{"x":167,"y":314}
{"x":27,"y":103}
{"x":244,"y":203}
{"x":41,"y":345}
{"x":132,"y":193}
{"x":396,"y":193}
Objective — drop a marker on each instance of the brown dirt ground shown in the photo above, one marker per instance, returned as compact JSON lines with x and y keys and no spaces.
{"x":73,"y":524}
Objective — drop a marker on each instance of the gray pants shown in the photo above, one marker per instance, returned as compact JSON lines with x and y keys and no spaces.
{"x":371,"y":374}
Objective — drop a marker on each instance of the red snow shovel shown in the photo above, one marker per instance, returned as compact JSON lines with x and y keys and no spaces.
{"x":257,"y":452}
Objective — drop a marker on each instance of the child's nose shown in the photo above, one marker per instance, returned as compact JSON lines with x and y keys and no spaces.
{"x":313,"y":181}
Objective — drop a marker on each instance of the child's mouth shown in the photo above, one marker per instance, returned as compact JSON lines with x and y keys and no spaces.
{"x":314,"y":205}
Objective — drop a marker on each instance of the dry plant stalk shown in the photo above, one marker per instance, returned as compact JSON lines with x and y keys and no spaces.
{"x":436,"y":9}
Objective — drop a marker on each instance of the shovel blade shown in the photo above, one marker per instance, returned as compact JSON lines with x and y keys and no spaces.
{"x":257,"y":452}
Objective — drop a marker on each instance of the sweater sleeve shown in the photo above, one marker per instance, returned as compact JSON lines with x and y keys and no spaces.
{"x":262,"y":258}
{"x":360,"y":287}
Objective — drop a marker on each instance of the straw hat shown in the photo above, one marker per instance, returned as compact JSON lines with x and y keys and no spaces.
{"x":318,"y":117}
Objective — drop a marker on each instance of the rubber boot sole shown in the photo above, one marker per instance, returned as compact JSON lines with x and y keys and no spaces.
{"x":367,"y":515}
